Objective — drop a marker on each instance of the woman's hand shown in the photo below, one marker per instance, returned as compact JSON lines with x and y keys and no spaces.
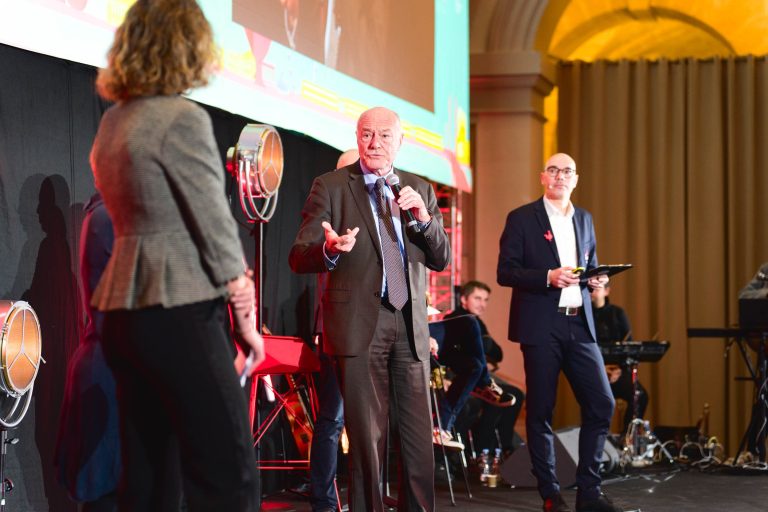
{"x":242,"y":298}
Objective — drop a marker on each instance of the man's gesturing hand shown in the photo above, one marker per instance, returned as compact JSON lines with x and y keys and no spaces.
{"x":335,"y":243}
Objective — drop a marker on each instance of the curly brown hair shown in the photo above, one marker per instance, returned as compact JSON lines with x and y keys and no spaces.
{"x":162,"y":47}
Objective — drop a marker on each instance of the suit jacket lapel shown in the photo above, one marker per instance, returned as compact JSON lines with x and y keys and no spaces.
{"x":546,"y":228}
{"x":580,"y":229}
{"x":577,"y":220}
{"x":363,"y":202}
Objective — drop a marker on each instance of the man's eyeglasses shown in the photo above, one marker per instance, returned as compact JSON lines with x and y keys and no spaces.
{"x":553,"y":171}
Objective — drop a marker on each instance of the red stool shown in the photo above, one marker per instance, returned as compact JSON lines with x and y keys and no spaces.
{"x":289,"y":356}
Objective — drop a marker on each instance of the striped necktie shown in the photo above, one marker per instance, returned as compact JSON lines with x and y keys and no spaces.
{"x":397,"y":287}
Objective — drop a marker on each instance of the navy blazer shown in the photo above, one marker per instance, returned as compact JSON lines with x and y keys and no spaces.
{"x":527,"y":251}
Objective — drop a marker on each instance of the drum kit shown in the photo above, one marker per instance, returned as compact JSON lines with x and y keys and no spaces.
{"x":20,"y":358}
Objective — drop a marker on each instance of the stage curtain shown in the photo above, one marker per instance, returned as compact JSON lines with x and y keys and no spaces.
{"x":672,"y":162}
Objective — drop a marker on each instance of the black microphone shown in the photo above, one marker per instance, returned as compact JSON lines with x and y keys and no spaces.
{"x":411,"y":224}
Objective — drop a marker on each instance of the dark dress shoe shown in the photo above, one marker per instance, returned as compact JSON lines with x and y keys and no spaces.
{"x":556,"y":503}
{"x":601,"y":504}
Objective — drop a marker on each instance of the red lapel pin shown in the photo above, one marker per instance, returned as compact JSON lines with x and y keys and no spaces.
{"x":548,"y":235}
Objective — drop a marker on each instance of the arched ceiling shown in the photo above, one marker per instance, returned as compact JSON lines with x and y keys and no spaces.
{"x":614,"y":29}
{"x":652,"y":29}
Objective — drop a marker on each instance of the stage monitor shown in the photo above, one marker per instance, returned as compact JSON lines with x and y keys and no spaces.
{"x":306,"y":65}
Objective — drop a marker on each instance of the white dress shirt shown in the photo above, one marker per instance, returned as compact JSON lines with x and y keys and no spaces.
{"x":565,"y":240}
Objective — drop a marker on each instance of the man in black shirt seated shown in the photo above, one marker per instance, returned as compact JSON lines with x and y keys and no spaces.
{"x":757,"y":288}
{"x":612,"y":324}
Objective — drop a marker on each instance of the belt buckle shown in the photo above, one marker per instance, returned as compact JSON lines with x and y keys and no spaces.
{"x":571,"y":311}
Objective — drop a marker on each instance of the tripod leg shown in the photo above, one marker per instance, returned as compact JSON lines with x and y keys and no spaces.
{"x":442,"y":446}
{"x":464,"y":469}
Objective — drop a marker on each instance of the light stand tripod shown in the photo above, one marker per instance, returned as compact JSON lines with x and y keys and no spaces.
{"x":640,"y":443}
{"x":754,"y":438}
{"x":6,"y":484}
{"x":256,"y":163}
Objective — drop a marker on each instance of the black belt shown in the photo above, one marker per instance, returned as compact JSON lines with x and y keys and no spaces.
{"x":569,"y":310}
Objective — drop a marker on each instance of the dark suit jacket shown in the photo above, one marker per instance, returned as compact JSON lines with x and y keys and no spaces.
{"x":526,"y":255}
{"x":352,"y":297}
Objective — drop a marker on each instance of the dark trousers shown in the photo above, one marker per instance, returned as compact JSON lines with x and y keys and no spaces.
{"x":470,"y":371}
{"x":501,"y":419}
{"x":176,"y":383}
{"x":569,"y":348}
{"x":325,"y":439}
{"x":107,"y":503}
{"x":388,"y":380}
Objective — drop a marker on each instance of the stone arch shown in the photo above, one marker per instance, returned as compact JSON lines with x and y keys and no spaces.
{"x":593,"y":26}
{"x":511,"y":25}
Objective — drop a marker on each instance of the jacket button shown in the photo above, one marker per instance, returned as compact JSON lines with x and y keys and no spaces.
{"x":377,"y":294}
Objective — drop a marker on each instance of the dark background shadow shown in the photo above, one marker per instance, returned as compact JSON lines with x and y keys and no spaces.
{"x":46,"y":131}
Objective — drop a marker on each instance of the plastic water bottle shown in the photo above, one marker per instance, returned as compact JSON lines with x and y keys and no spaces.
{"x":485,"y":465}
{"x":496,"y":462}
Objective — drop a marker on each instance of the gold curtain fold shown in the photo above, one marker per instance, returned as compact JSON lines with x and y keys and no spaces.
{"x":673,"y":165}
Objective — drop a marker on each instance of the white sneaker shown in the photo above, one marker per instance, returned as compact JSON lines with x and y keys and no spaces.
{"x":442,"y":438}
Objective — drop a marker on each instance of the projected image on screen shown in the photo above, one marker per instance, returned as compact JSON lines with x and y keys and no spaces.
{"x":312,"y":66}
{"x":388,"y":44}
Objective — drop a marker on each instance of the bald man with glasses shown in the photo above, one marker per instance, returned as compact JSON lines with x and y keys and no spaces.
{"x":545,"y":246}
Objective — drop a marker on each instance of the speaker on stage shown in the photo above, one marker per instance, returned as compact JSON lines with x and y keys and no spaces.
{"x":516,"y":470}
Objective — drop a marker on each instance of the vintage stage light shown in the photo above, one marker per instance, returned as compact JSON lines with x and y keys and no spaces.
{"x":20,"y":357}
{"x":256,"y":162}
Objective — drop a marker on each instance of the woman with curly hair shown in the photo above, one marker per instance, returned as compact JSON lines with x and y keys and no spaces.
{"x":176,"y":261}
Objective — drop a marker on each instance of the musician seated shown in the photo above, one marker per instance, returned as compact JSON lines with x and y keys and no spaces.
{"x":757,"y":288}
{"x":492,"y":426}
{"x":612,"y":324}
{"x":461,"y":350}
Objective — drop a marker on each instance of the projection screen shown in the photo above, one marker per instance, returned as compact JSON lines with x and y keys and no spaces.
{"x":306,"y":65}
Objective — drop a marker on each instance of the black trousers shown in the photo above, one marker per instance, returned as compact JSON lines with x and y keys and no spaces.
{"x":176,"y":384}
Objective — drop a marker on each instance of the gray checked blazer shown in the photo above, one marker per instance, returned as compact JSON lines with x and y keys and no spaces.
{"x":157,"y":166}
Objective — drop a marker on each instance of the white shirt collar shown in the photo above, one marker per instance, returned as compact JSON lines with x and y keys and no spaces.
{"x":370,"y":177}
{"x":554,"y":211}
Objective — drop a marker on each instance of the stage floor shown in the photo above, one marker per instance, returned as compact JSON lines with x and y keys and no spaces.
{"x":654,"y":489}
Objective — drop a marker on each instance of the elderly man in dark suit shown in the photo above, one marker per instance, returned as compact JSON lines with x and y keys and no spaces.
{"x":545,"y":246}
{"x":374,"y":312}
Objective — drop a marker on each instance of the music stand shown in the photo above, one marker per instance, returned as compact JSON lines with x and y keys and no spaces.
{"x":639,"y":440}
